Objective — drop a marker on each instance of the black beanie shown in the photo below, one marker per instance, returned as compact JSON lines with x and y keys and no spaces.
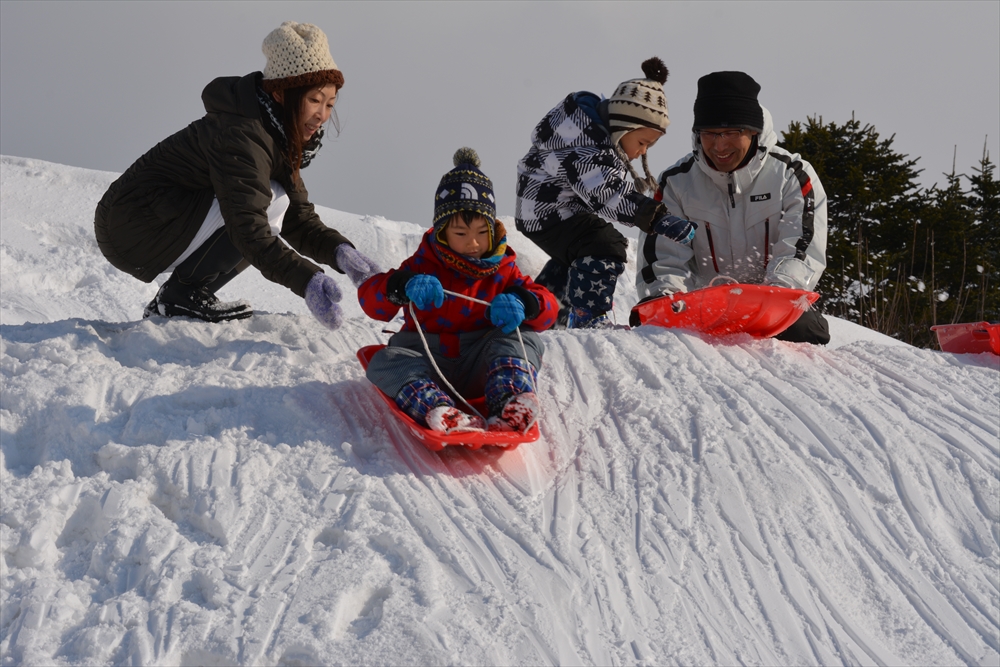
{"x":728,"y":99}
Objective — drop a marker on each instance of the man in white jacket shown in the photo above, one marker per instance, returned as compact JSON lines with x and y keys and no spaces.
{"x":761,"y":211}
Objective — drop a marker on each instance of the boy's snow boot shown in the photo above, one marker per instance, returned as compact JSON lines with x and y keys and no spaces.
{"x":520,"y":412}
{"x":427,"y":404}
{"x":177,"y":300}
{"x":449,"y":419}
{"x":506,"y":377}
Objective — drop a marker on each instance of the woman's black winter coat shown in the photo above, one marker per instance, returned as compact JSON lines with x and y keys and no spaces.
{"x":150,"y":215}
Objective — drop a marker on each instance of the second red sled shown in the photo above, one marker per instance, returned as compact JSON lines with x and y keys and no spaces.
{"x":759,"y":310}
{"x":968,"y":338}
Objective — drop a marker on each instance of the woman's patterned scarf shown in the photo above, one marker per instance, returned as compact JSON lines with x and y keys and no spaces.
{"x":471,"y":266}
{"x":272,"y":118}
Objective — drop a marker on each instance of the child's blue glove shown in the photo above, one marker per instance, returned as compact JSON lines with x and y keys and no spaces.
{"x":507,"y":312}
{"x":322,"y":295}
{"x":424,"y":290}
{"x":676,"y":229}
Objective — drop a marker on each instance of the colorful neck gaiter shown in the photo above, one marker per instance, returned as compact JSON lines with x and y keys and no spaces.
{"x":470,"y":266}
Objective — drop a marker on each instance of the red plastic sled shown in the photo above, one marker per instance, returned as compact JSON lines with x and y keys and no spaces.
{"x":968,"y":338}
{"x":757,"y":310}
{"x":436,"y":441}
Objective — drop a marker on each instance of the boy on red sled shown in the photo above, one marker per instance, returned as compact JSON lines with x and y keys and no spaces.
{"x":475,"y":346}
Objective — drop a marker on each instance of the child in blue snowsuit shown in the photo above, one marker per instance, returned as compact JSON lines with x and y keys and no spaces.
{"x":574,"y":182}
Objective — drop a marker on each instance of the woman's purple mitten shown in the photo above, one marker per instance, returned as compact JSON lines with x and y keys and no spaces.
{"x":322,"y":295}
{"x":357,"y":266}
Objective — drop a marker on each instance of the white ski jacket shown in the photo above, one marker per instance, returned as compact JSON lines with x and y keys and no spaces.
{"x":763,"y":223}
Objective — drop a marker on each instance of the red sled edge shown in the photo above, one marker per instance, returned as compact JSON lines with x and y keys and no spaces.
{"x":436,"y":441}
{"x":758,"y":310}
{"x":968,"y":337}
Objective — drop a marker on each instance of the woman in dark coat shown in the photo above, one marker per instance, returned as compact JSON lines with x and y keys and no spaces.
{"x":213,"y":199}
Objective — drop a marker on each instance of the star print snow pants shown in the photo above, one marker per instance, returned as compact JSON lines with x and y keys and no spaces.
{"x":588,"y":254}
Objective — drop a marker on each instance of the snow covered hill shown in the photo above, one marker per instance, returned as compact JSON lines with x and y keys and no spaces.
{"x":176,"y":492}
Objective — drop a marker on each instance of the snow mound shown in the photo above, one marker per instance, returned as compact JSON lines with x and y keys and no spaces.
{"x":185,"y":493}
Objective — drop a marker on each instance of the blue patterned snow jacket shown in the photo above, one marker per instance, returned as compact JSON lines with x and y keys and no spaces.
{"x":574,"y":168}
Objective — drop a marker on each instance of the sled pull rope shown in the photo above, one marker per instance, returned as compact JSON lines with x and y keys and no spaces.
{"x":427,"y":350}
{"x":524,"y":351}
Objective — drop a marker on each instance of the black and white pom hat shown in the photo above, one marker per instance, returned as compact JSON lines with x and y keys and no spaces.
{"x":640,"y":102}
{"x":465,"y":188}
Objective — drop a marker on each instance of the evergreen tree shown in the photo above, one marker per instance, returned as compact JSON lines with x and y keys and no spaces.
{"x":872,"y":197}
{"x":955,"y":256}
{"x":984,"y":237}
{"x":940,"y":260}
{"x":901,"y":259}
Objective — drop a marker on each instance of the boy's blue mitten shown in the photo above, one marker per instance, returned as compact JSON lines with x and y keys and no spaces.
{"x":358,"y":267}
{"x":424,"y":291}
{"x":507,"y":312}
{"x":676,"y":229}
{"x":322,"y":295}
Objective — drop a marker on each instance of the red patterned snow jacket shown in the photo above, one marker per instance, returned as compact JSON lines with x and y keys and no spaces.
{"x":456,"y":315}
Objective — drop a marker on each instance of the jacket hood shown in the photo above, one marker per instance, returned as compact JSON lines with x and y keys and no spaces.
{"x":233,"y":95}
{"x":574,"y":123}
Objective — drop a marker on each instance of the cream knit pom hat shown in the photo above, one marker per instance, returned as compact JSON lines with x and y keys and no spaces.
{"x":298,"y":55}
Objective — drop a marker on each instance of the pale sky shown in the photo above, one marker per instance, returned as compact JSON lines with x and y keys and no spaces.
{"x":96,"y":84}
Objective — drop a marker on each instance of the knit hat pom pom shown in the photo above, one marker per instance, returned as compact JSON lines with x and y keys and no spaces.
{"x":466,"y":156}
{"x":655,"y":69}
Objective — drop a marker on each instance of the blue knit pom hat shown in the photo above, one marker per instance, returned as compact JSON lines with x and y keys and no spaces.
{"x":465,"y":188}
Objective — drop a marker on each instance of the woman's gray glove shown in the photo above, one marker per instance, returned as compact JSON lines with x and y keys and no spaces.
{"x":357,"y":267}
{"x":322,"y":296}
